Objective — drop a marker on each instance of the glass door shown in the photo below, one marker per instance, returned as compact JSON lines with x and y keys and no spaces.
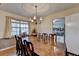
{"x":58,"y":29}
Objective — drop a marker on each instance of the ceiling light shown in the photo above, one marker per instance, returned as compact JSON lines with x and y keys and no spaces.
{"x":32,"y":21}
{"x":41,"y":18}
{"x":36,"y":19}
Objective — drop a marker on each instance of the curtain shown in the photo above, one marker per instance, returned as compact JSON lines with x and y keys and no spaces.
{"x":7,"y":32}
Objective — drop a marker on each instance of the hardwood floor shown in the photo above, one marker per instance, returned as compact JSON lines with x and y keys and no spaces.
{"x":49,"y":49}
{"x":7,"y":51}
{"x":41,"y":48}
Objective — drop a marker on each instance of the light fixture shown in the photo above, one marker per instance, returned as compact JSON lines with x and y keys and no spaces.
{"x":36,"y":19}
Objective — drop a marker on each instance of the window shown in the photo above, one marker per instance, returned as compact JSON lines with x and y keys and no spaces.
{"x":18,"y":27}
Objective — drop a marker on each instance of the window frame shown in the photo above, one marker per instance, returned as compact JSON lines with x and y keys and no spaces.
{"x":20,"y":27}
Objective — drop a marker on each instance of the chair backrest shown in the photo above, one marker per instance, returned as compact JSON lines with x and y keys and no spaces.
{"x":44,"y":34}
{"x":29,"y":45}
{"x":16,"y":38}
{"x":28,"y":48}
{"x":51,"y":35}
{"x":39,"y":35}
{"x":18,"y":42}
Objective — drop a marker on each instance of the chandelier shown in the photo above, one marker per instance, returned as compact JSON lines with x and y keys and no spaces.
{"x":36,"y":19}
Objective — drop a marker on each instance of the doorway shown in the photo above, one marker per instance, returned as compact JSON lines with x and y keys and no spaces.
{"x":59,"y":29}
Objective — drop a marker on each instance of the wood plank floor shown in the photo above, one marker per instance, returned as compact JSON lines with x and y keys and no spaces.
{"x":7,"y":51}
{"x":42,"y":49}
{"x":49,"y":49}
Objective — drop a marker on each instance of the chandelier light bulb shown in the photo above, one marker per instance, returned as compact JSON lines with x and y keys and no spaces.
{"x":32,"y":21}
{"x":41,"y":18}
{"x":34,"y":17}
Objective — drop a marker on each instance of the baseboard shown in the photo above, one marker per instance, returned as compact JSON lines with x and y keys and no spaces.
{"x":6,"y":38}
{"x":72,"y":53}
{"x":7,"y":51}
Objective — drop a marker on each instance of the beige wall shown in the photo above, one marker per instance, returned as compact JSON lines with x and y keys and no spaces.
{"x":3,"y":15}
{"x":46,"y":25}
{"x":32,"y":27}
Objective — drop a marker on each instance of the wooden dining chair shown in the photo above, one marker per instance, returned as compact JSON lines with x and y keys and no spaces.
{"x":28,"y":48}
{"x":39,"y":36}
{"x":44,"y":37}
{"x":53,"y":39}
{"x":19,"y":45}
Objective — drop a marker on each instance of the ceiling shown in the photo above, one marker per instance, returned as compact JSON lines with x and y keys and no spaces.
{"x":43,"y":9}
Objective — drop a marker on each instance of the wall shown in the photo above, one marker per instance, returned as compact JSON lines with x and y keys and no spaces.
{"x":32,"y":27}
{"x":72,"y":33}
{"x":3,"y":15}
{"x":46,"y":25}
